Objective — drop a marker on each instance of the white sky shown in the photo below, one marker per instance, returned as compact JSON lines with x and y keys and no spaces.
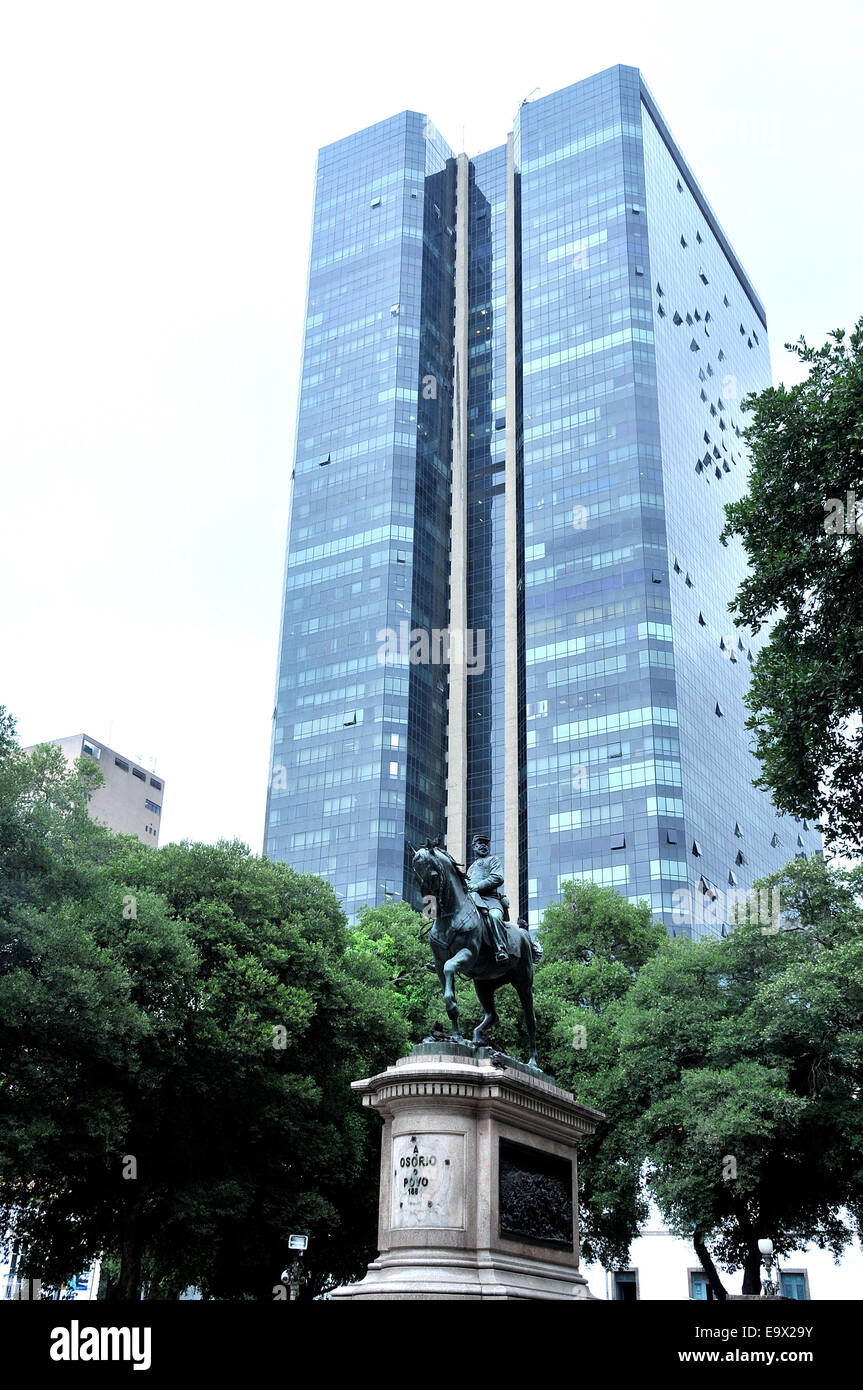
{"x":157,"y":177}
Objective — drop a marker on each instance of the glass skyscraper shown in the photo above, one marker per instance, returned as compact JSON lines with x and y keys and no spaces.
{"x":518,"y":425}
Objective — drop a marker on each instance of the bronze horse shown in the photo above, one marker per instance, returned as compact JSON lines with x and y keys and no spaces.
{"x":460,"y":941}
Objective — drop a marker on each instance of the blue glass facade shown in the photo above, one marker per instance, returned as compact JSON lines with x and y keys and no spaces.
{"x":359,"y":734}
{"x":611,"y":337}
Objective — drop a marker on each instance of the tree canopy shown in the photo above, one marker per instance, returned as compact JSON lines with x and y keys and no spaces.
{"x":801,"y":525}
{"x":178,"y":1033}
{"x":743,"y":1057}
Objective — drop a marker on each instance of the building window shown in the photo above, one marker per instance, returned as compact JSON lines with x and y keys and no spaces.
{"x":699,"y":1288}
{"x":136,"y":772}
{"x":625,"y":1285}
{"x":152,"y":807}
{"x":123,"y":766}
{"x":154,"y":783}
{"x":794,"y":1283}
{"x":93,"y":750}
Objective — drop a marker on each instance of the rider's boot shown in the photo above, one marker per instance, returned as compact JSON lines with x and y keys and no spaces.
{"x":502,"y":953}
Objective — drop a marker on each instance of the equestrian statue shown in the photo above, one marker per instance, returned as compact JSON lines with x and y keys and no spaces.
{"x":471,"y":933}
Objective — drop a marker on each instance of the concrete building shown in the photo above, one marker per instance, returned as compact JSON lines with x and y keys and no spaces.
{"x":130,"y":798}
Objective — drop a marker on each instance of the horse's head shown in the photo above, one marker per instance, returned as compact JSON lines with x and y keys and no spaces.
{"x":427,"y":869}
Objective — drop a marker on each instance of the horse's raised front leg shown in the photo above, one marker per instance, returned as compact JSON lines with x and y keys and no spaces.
{"x":462,"y":957}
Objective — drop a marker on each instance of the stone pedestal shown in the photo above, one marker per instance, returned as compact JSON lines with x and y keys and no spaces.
{"x":478,"y":1189}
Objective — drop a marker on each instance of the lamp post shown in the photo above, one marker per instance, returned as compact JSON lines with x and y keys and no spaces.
{"x":293,"y":1275}
{"x":768,"y":1287}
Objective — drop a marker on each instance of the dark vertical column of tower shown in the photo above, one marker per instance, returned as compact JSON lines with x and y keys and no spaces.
{"x":486,"y":336}
{"x":458,"y":750}
{"x":517,"y":391}
{"x":516,"y":843}
{"x":427,"y":707}
{"x":494,"y":689}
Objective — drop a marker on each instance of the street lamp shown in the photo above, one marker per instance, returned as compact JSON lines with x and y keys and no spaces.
{"x":768,"y":1287}
{"x":293,"y":1275}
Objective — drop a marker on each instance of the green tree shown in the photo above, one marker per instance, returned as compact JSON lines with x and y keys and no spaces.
{"x":806,"y":570}
{"x":49,"y":846}
{"x":744,"y":1059}
{"x":178,"y":1033}
{"x":391,"y":941}
{"x":595,"y":944}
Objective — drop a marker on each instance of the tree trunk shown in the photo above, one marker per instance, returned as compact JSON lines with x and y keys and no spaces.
{"x":716,"y":1286}
{"x":752,"y":1270}
{"x":128,"y":1285}
{"x":752,"y":1262}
